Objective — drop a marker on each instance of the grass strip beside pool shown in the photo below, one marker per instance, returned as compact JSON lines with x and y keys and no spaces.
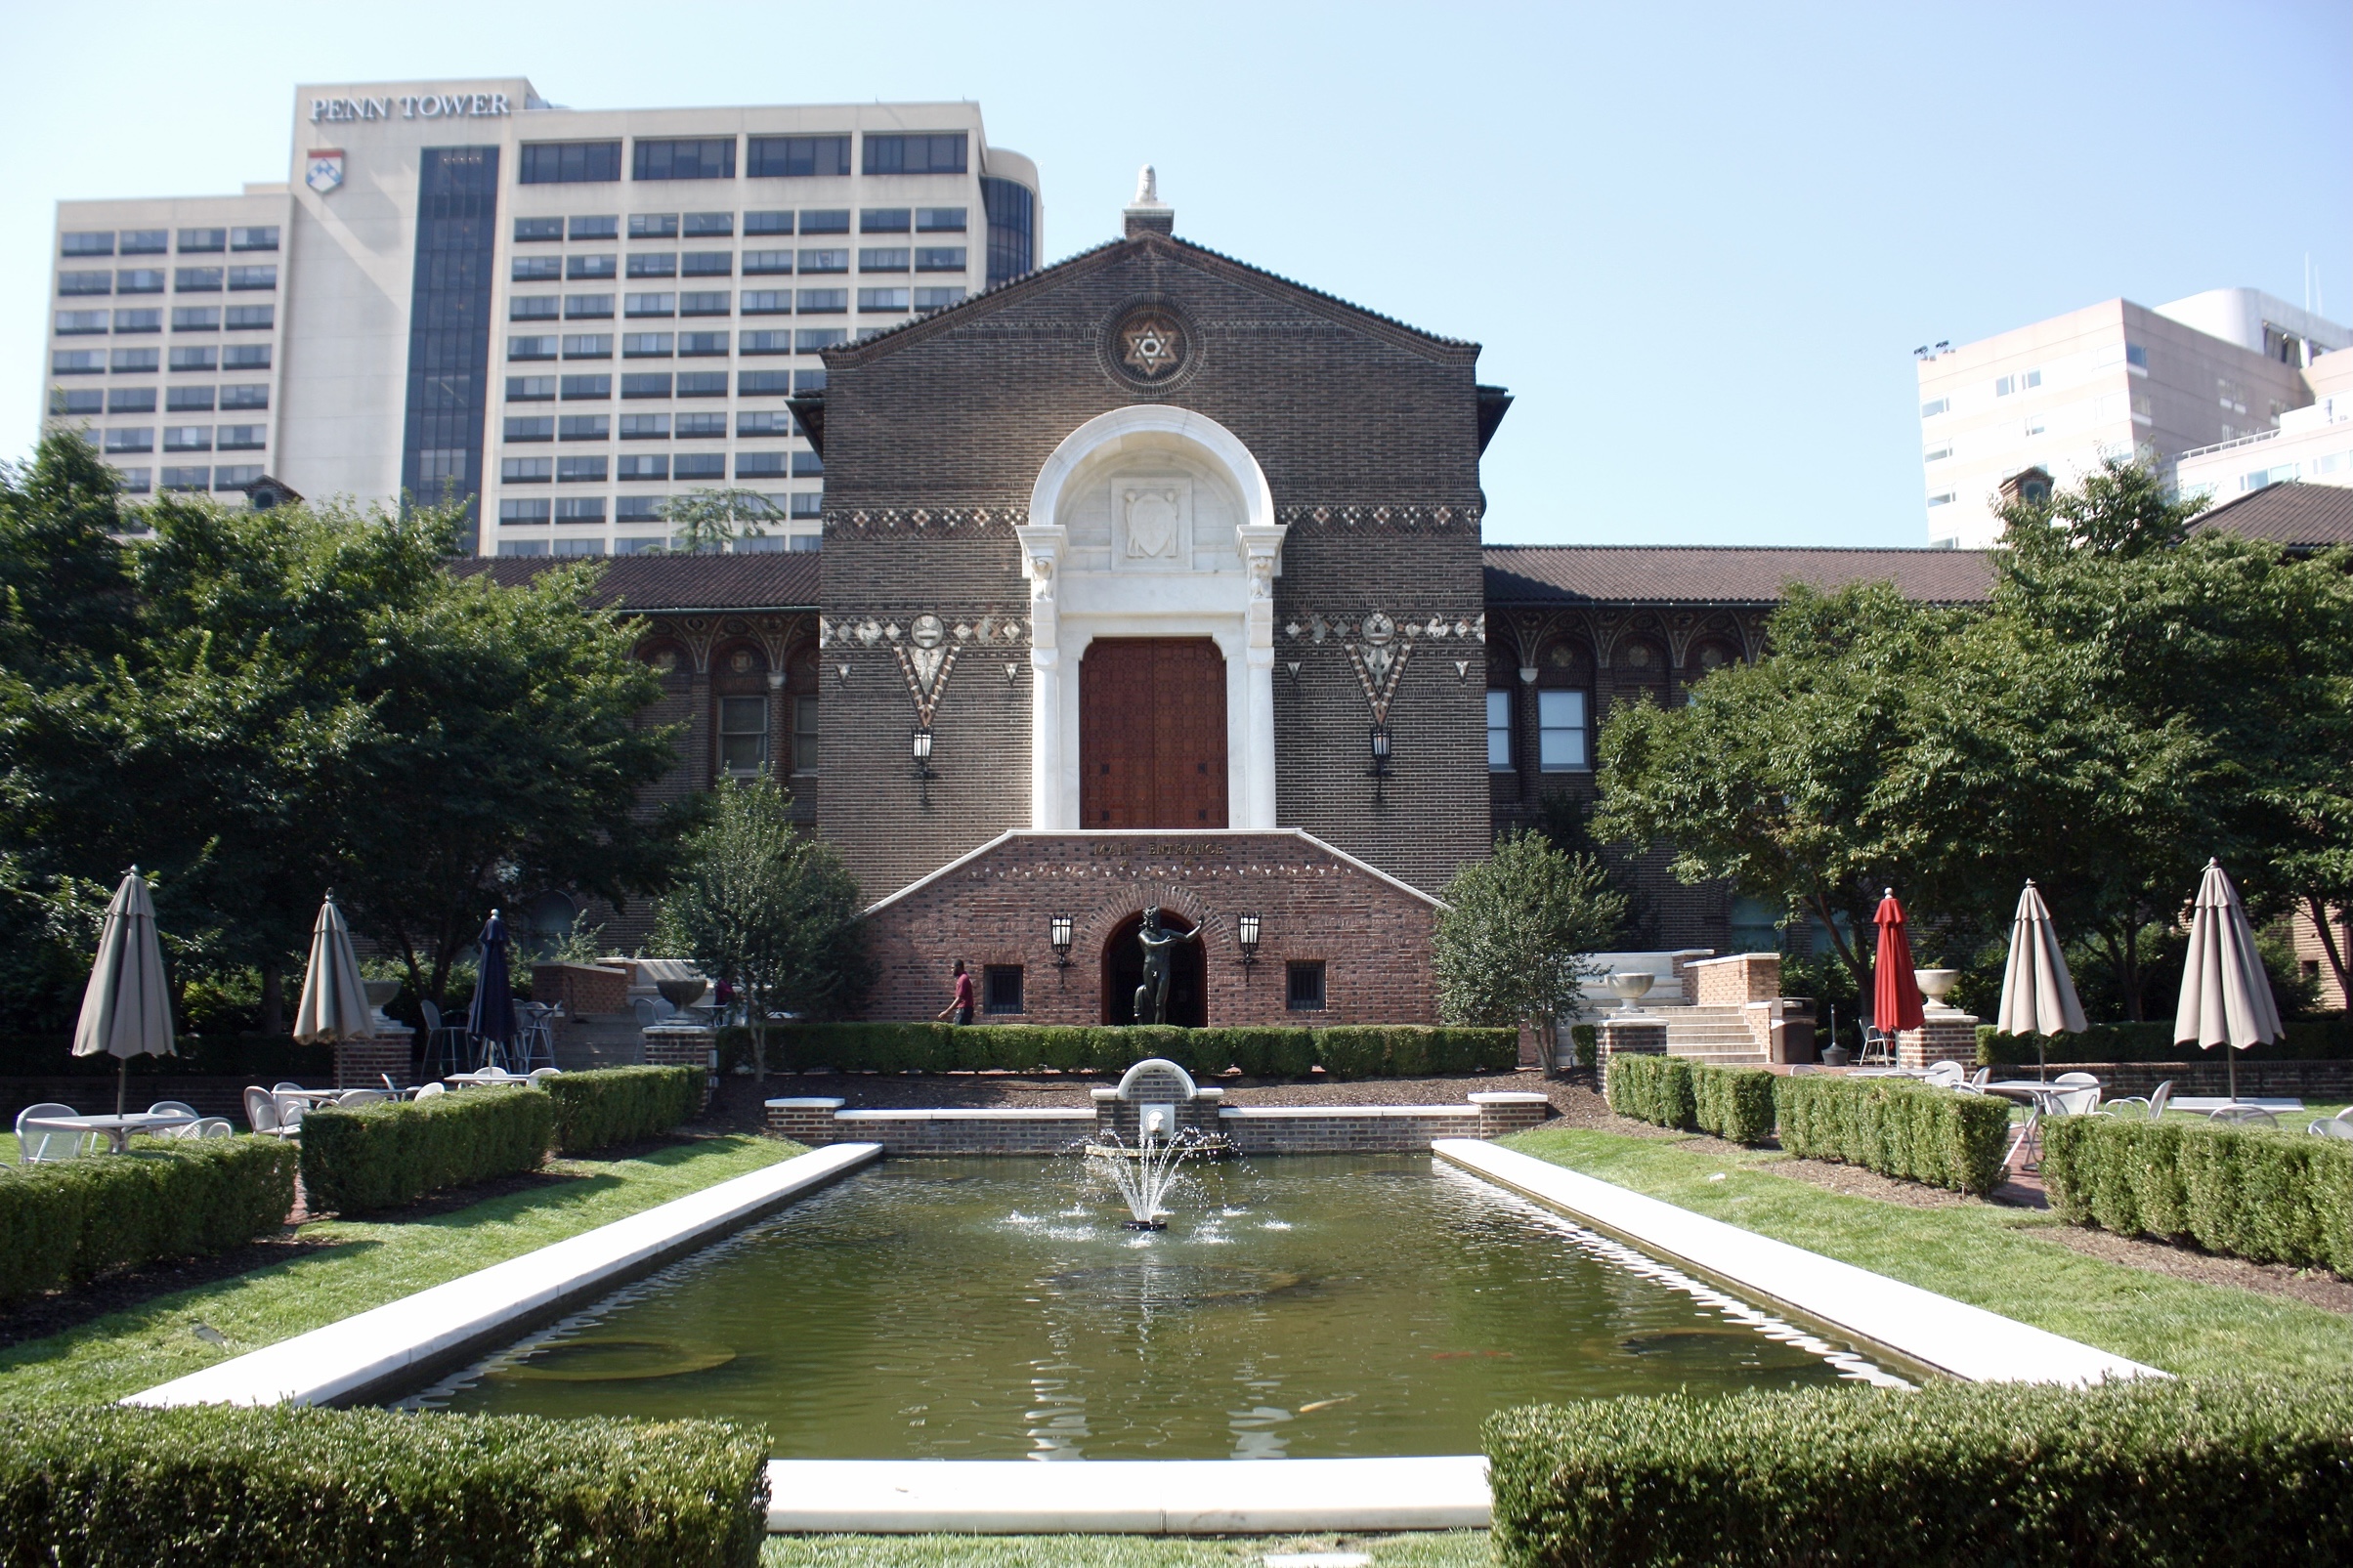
{"x":1983,"y":1253}
{"x":370,"y":1263}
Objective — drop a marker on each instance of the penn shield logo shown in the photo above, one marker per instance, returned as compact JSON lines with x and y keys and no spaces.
{"x":326,"y":171}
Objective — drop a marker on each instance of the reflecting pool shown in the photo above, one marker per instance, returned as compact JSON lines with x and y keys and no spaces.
{"x":1312,"y":1306}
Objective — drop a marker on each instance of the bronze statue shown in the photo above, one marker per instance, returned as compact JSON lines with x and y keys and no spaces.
{"x":1153,"y":997}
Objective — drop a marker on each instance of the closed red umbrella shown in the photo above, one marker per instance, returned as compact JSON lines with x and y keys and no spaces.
{"x":1895,"y":992}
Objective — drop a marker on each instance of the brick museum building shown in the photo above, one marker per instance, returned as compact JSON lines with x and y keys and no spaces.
{"x":1154,"y":579}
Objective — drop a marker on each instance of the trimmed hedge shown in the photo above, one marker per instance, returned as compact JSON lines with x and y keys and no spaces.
{"x":2270,"y":1196}
{"x":2147,"y":1473}
{"x":1374,"y":1050}
{"x":1897,"y":1126}
{"x":1733,"y":1103}
{"x":2307,"y":1039}
{"x":62,"y":1224}
{"x":212,"y":1485}
{"x":621,"y":1104}
{"x":385,"y":1155}
{"x":1588,"y":1038}
{"x":1651,"y":1088}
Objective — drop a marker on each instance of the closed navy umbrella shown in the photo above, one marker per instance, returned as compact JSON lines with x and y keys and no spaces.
{"x":492,"y":1016}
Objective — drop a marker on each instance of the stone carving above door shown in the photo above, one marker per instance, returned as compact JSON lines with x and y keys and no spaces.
{"x":1154,"y":521}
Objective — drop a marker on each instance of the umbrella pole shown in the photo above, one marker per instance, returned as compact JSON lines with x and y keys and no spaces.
{"x":2040,"y":1068}
{"x":122,"y":1083}
{"x":2232,"y":1057}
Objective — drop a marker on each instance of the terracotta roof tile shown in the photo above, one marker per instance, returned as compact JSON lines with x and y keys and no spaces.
{"x":2305,"y":516}
{"x":771,"y":580}
{"x":1602,"y":574}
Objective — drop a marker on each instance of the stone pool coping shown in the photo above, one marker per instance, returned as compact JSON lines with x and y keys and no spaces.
{"x":393,"y":1347}
{"x":1935,"y":1330}
{"x":1127,"y":1497}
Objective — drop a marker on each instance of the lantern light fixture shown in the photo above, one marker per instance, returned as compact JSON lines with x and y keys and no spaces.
{"x":1058,"y":936}
{"x":1247,"y":929}
{"x":921,"y":747}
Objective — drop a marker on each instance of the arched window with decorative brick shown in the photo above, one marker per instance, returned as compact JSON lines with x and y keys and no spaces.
{"x":1704,"y":656}
{"x":1565,"y":707}
{"x":741,"y":711}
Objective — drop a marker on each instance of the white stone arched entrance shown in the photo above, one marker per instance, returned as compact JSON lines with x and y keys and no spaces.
{"x":1152,"y":521}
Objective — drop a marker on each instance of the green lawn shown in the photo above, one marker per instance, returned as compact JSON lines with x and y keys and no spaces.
{"x":1450,"y":1548}
{"x":374,"y":1263}
{"x":1984,"y":1254}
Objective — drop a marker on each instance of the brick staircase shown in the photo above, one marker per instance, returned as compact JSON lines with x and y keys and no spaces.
{"x":1715,"y":1036}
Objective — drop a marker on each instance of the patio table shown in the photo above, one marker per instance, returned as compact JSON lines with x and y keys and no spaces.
{"x":117,"y":1128}
{"x":2215,"y":1102}
{"x":475,"y":1080}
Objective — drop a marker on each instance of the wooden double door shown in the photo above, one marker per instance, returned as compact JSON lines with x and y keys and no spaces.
{"x":1152,"y":733}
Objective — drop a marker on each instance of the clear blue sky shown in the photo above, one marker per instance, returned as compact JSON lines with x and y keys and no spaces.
{"x":1698,"y":241}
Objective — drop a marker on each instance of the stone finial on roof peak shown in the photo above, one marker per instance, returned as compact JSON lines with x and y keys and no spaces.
{"x":1148,"y":213}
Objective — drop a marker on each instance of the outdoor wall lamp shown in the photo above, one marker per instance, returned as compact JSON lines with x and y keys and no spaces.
{"x":1247,"y":927}
{"x":1379,"y":770}
{"x":922,"y":762}
{"x":1058,"y":934}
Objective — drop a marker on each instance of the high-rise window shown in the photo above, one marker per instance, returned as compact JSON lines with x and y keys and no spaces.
{"x":571,"y":162}
{"x":743,"y":734}
{"x":1560,"y":731}
{"x":711,"y":158}
{"x":942,"y":152}
{"x":794,"y":157}
{"x":1499,"y":731}
{"x":449,"y":328}
{"x":1012,"y":210}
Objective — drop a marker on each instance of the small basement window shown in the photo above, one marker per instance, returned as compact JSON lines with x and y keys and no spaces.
{"x":1303,"y":989}
{"x":1000,"y":988}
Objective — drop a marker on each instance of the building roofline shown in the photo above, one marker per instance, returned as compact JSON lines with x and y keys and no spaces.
{"x":1389,"y":327}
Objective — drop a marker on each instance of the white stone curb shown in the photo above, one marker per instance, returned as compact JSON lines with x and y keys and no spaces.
{"x":1127,"y":1497}
{"x":1933,"y":1329}
{"x":381,"y":1348}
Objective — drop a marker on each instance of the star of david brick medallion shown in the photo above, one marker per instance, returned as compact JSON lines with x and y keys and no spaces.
{"x":1151,"y":345}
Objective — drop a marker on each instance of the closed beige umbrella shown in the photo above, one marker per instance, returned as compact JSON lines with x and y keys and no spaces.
{"x":2037,"y":995}
{"x":334,"y":997}
{"x":126,"y":1009}
{"x":2225,"y":995}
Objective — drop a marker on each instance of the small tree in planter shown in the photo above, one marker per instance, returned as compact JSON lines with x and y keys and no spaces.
{"x":767,"y":909}
{"x":1511,"y":941}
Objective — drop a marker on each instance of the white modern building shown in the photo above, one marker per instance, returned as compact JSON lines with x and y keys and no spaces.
{"x":2313,"y":443}
{"x":565,"y":315}
{"x":2111,"y":379}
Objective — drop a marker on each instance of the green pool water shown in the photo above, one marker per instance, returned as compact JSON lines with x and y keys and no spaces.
{"x":996,"y":1309}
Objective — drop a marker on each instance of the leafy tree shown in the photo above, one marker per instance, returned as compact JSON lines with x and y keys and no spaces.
{"x":769,"y":910}
{"x":709,"y":517}
{"x":269,"y":704}
{"x":1775,"y":774}
{"x":1510,"y":940}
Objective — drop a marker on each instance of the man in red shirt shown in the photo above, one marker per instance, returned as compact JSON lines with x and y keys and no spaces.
{"x":961,"y":1005}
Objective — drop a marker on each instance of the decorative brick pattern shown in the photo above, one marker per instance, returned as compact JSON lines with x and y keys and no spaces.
{"x":363,"y":1064}
{"x":1372,"y":936}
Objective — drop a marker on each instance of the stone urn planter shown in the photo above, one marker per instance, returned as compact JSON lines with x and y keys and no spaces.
{"x":1936,"y":983}
{"x":682,"y":994}
{"x":1631,"y":985}
{"x":380,"y":992}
